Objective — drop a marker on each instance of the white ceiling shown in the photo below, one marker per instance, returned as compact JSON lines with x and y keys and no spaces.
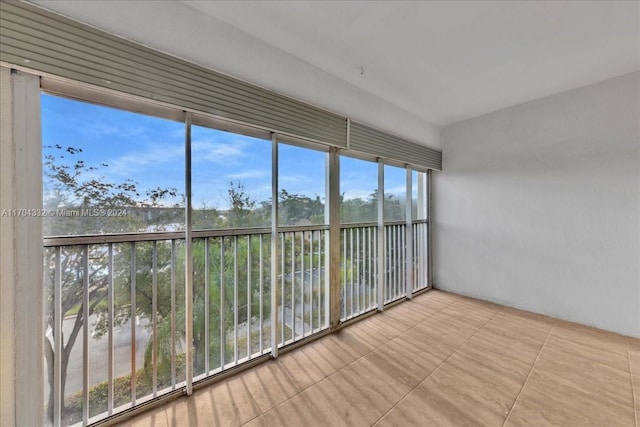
{"x":406,"y":67}
{"x":448,"y":61}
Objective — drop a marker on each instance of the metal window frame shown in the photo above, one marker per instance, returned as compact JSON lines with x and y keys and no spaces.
{"x":107,"y":97}
{"x":51,"y":43}
{"x":56,"y":45}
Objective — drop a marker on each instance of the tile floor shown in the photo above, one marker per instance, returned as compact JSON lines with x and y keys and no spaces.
{"x":438,"y":360}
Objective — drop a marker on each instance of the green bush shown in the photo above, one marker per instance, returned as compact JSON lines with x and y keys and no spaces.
{"x":99,"y":393}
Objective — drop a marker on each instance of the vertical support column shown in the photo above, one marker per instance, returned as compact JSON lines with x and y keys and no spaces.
{"x":333,"y":193}
{"x":173,"y":315}
{"x":56,"y":335}
{"x":274,"y":245}
{"x":188,"y":259}
{"x":223,"y":287}
{"x":21,"y":270}
{"x":110,"y":316}
{"x":133,"y":321}
{"x":381,"y":245}
{"x":422,"y":245}
{"x":429,"y":230}
{"x":207,"y":281}
{"x":422,"y":192}
{"x":154,"y":320}
{"x":85,"y":335}
{"x":409,"y":235}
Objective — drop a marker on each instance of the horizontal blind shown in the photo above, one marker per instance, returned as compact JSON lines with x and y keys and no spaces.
{"x":381,"y":144}
{"x":43,"y":41}
{"x":46,"y":42}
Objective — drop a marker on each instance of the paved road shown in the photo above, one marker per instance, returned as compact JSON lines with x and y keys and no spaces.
{"x":98,"y":347}
{"x":99,"y":356}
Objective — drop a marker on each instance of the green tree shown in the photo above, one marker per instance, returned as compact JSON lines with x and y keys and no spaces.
{"x":295,"y":209}
{"x":244,"y":210}
{"x":235,"y":271}
{"x":366,"y":210}
{"x":205,"y":217}
{"x":71,"y":185}
{"x":233,"y":267}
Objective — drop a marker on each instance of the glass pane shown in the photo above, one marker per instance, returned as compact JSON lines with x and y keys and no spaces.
{"x":419,"y":195}
{"x":144,"y":318}
{"x":200,"y":262}
{"x":72,"y":258}
{"x":264,"y":297}
{"x":99,"y":329}
{"x":163,"y":332}
{"x":122,"y":324}
{"x":109,"y":171}
{"x":395,"y":190}
{"x":301,"y":185}
{"x":180,"y":340}
{"x":358,"y":189}
{"x":49,"y":270}
{"x":231,"y":180}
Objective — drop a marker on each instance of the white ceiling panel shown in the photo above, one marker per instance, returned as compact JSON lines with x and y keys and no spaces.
{"x":447,"y":61}
{"x":405,"y":67}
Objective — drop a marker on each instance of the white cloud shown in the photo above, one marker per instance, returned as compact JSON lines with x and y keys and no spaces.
{"x":252,"y":173}
{"x":132,"y":163}
{"x":218,"y":152}
{"x":99,"y":128}
{"x":292,"y":179}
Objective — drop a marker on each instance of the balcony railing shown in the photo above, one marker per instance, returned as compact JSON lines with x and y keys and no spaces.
{"x":420,"y":257}
{"x":359,"y":272}
{"x":115,"y":313}
{"x":303,"y":294}
{"x":128,"y":346}
{"x":395,"y":262}
{"x":359,"y":264}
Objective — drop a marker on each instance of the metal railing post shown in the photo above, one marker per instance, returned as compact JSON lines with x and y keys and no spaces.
{"x":58,"y":398}
{"x":429,"y":229}
{"x":274,"y":245}
{"x":409,"y":235}
{"x":110,"y":303}
{"x":188,"y":261}
{"x":381,"y":246}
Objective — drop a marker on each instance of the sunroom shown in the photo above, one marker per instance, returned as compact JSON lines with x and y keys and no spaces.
{"x":159,"y":226}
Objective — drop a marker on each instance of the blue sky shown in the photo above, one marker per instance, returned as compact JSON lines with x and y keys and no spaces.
{"x":150,"y":151}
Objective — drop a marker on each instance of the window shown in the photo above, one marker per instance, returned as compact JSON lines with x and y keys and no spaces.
{"x":395,"y":193}
{"x":231,"y":180}
{"x":302,"y":185}
{"x":420,"y":230}
{"x":395,"y":237}
{"x":119,"y":328}
{"x":110,"y":171}
{"x":358,"y":188}
{"x":303,"y":269}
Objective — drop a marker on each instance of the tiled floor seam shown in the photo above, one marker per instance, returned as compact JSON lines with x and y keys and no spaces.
{"x":437,"y":367}
{"x":351,"y":363}
{"x":633,"y":391}
{"x":524,"y":383}
{"x":255,"y":402}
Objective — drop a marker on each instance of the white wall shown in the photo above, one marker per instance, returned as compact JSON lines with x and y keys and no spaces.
{"x":538,"y":206}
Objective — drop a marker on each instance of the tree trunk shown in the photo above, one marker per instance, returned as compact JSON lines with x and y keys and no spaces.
{"x":64,"y":362}
{"x":49,"y":356}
